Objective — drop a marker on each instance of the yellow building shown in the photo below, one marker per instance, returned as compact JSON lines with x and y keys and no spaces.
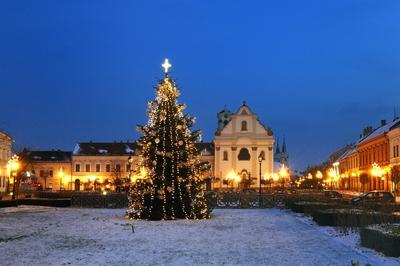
{"x":48,"y":170}
{"x":349,"y":170}
{"x":394,"y":154}
{"x":5,"y":155}
{"x":106,"y":165}
{"x":98,"y":163}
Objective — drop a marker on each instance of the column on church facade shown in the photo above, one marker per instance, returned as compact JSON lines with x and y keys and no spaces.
{"x":217,"y":161}
{"x":269,"y":154}
{"x":254,"y":165}
{"x":234,"y":157}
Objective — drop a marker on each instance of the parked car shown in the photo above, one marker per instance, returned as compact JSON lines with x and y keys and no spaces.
{"x":332,"y":194}
{"x":374,"y":197}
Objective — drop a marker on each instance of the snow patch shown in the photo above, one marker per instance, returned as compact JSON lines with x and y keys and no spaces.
{"x":58,"y":236}
{"x":77,"y":149}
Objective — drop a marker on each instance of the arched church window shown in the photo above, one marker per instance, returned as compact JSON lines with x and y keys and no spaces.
{"x":225,"y":156}
{"x":244,"y":155}
{"x":244,"y":126}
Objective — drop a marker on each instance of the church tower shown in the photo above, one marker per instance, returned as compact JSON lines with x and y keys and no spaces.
{"x":224,"y":117}
{"x":281,"y":156}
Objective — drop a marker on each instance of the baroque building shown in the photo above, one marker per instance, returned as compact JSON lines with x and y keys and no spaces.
{"x":5,"y":155}
{"x":49,"y":170}
{"x":376,"y":149}
{"x":239,"y":141}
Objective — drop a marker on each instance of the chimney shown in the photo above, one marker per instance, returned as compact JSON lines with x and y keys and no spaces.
{"x":383,"y":122}
{"x":367,"y":130}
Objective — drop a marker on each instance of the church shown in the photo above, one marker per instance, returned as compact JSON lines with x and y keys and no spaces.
{"x":242,"y":144}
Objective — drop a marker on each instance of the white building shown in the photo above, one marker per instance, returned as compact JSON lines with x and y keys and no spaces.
{"x":239,"y":141}
{"x":394,"y":145}
{"x":5,"y":155}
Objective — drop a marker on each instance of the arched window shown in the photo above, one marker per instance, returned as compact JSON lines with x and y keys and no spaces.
{"x":244,"y":155}
{"x":244,"y":126}
{"x":225,"y":156}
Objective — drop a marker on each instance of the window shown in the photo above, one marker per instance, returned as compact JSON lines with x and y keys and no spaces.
{"x":262,"y":154}
{"x":77,"y":167}
{"x":98,"y":167}
{"x":128,"y":167}
{"x":225,"y":156}
{"x":108,"y":167}
{"x":51,"y":173}
{"x":41,"y":173}
{"x":87,"y":167}
{"x":244,"y":126}
{"x":118,"y":167}
{"x":244,"y":155}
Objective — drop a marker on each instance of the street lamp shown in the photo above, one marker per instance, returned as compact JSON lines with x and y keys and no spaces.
{"x":377,"y":172}
{"x":61,"y":176}
{"x":260,"y":159}
{"x":319,"y":175}
{"x":284,"y":173}
{"x":130,"y":162}
{"x":14,"y":165}
{"x":232,"y":177}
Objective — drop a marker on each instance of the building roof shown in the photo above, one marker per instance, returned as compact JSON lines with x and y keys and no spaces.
{"x":2,"y":133}
{"x":379,"y":131}
{"x":347,"y":154}
{"x":104,"y":148}
{"x":205,"y":148}
{"x":335,"y":157}
{"x":244,"y":109}
{"x":125,"y":148}
{"x":47,"y":156}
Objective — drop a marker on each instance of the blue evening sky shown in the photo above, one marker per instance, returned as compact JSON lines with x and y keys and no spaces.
{"x":315,"y":71}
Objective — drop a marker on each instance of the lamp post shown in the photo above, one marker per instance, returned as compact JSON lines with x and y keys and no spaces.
{"x":260,"y":159}
{"x":377,"y":172}
{"x":61,"y":176}
{"x":14,"y":165}
{"x":130,"y":162}
{"x":283,"y":174}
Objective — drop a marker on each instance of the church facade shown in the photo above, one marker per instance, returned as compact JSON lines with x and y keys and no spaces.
{"x":241,"y":139}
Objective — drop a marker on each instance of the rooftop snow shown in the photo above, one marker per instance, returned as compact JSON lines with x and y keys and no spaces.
{"x":379,"y":131}
{"x":77,"y":149}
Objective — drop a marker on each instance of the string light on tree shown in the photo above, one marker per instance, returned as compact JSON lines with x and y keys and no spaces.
{"x":170,"y":187}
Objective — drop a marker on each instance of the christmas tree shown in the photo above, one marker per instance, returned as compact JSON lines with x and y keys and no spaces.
{"x":167,"y":183}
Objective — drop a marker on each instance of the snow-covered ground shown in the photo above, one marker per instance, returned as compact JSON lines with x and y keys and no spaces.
{"x":54,"y":236}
